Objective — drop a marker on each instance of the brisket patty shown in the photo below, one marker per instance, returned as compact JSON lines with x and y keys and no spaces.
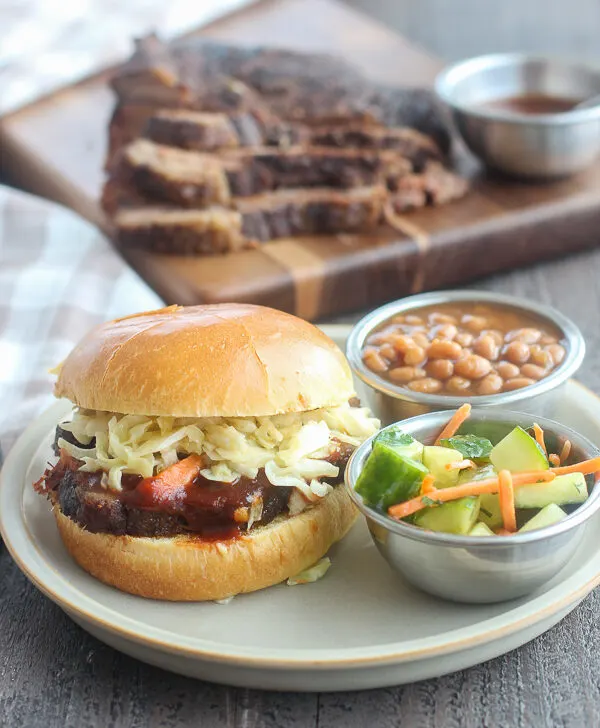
{"x":207,"y":508}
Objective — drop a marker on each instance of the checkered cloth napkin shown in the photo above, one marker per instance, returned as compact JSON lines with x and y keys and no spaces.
{"x":58,"y":278}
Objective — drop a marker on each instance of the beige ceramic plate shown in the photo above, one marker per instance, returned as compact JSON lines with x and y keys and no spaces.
{"x":360,"y":627}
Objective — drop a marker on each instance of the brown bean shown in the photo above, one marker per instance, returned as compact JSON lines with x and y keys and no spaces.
{"x":414,"y":355}
{"x":496,"y":335}
{"x":402,"y":375}
{"x":420,"y":339}
{"x":527,"y":335}
{"x":444,"y":349}
{"x":458,"y":385}
{"x":557,"y":352}
{"x":516,"y":352}
{"x":427,"y":385}
{"x":516,"y":383}
{"x":486,"y":347}
{"x":375,"y":362}
{"x":387,"y":351}
{"x":440,"y":368}
{"x":547,"y":339}
{"x":540,"y":357}
{"x":472,"y":367}
{"x":463,"y":338}
{"x":444,"y":331}
{"x":413,"y":320}
{"x":490,"y":384}
{"x":402,"y":342}
{"x":507,"y":370}
{"x":533,"y":371}
{"x":399,"y":319}
{"x":441,"y":318}
{"x":377,"y":339}
{"x":474,"y":323}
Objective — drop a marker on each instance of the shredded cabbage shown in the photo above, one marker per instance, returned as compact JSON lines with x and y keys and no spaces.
{"x":293,"y":448}
{"x":313,"y":573}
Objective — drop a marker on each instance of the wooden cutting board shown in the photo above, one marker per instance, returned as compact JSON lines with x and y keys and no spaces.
{"x":56,"y":148}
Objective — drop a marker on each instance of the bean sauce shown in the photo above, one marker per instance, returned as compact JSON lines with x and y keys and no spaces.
{"x":464,"y":349}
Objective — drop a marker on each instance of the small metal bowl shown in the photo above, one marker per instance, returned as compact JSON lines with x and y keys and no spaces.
{"x":392,"y":402}
{"x":478,"y":569}
{"x":526,"y":145}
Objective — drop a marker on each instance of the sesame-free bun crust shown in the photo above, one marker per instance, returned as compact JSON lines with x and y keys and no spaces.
{"x":187,"y":568}
{"x":227,"y":360}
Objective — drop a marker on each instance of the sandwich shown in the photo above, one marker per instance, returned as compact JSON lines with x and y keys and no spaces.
{"x":206,"y":450}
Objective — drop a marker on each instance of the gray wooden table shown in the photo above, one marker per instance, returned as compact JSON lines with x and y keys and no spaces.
{"x":53,"y":674}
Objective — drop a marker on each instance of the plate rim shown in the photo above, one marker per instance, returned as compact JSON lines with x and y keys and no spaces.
{"x":568,"y":592}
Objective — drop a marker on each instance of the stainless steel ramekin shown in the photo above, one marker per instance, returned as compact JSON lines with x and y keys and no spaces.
{"x":392,"y":402}
{"x":471,"y":568}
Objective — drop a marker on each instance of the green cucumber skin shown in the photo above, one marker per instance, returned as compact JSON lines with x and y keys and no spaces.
{"x":548,"y":516}
{"x":388,"y":478}
{"x":490,"y":503}
{"x":563,"y":490}
{"x":518,"y":452}
{"x":456,"y":517}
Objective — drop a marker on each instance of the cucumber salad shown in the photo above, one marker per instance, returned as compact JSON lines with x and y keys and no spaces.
{"x":470,"y":486}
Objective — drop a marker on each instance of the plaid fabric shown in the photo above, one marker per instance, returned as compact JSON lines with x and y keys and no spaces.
{"x":58,"y":278}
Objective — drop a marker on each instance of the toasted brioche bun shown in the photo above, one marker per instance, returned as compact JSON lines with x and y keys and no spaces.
{"x":187,"y":568}
{"x":227,"y":360}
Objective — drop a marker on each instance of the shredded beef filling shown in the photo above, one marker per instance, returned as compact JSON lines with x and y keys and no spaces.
{"x":205,"y":507}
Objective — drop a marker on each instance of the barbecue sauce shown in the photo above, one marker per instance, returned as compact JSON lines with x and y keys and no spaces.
{"x":532,"y":104}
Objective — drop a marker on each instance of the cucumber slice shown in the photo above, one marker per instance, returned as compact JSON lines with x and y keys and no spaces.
{"x":546,"y":517}
{"x":564,"y":489}
{"x":402,"y":443}
{"x":388,"y":478}
{"x":518,"y":452}
{"x":457,"y":516}
{"x":480,"y":529}
{"x":436,"y":458}
{"x":489,"y":513}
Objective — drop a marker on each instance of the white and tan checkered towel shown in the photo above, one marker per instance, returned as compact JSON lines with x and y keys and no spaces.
{"x":58,"y":278}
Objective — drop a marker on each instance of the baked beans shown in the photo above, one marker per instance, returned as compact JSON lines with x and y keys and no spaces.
{"x":464,"y":349}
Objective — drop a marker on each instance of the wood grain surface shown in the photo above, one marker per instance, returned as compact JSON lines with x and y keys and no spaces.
{"x":53,"y":675}
{"x":56,"y":148}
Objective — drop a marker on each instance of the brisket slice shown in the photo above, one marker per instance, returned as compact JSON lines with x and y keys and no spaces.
{"x":252,"y":170}
{"x":166,"y":174}
{"x":206,"y":131}
{"x":282,"y":213}
{"x":286,"y":213}
{"x":311,"y":88}
{"x":435,"y":185}
{"x":180,"y":232}
{"x":410,"y":143}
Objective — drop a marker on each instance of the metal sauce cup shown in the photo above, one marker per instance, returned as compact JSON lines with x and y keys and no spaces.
{"x":470,"y":568}
{"x":526,"y":145}
{"x":392,"y":402}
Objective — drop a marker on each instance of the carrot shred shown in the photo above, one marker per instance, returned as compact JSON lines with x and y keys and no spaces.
{"x":460,"y":465}
{"x":566,"y":451}
{"x":178,"y":474}
{"x":502,"y":532}
{"x":454,"y":423}
{"x":554,"y":460}
{"x":586,"y":467}
{"x":477,"y":487}
{"x":506,"y":496}
{"x":427,"y":485}
{"x":539,"y":437}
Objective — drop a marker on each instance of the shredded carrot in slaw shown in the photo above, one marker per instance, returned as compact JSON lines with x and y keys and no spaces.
{"x":554,"y":460}
{"x":477,"y":487}
{"x":586,"y":467}
{"x":454,"y":423}
{"x":539,"y":437}
{"x":427,"y":485}
{"x":506,"y":496}
{"x":566,"y":451}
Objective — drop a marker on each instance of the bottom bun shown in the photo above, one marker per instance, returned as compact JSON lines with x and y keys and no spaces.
{"x":188,"y":568}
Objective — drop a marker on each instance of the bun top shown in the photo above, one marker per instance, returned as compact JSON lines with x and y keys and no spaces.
{"x":226,"y":360}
